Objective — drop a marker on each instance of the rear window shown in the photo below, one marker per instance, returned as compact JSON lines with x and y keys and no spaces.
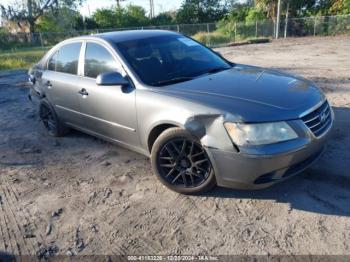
{"x":52,"y":62}
{"x":67,"y":60}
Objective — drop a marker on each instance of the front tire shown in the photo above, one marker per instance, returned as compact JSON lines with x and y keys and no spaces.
{"x":50,"y":120}
{"x":181,"y":163}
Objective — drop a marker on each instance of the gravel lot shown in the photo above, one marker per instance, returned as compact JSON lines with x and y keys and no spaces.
{"x":80,"y":195}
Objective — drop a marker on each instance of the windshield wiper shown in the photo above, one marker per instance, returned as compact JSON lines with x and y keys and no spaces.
{"x":212,"y":70}
{"x":173,"y":80}
{"x":186,"y":78}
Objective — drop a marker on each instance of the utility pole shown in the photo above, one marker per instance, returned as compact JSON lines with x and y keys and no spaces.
{"x":278,"y":18}
{"x":151,"y":9}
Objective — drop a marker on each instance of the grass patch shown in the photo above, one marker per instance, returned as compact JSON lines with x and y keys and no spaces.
{"x":20,"y":59}
{"x":212,"y":38}
{"x":218,"y":38}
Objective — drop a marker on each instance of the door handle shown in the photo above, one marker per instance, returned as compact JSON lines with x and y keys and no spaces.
{"x":83,"y":92}
{"x":48,"y":84}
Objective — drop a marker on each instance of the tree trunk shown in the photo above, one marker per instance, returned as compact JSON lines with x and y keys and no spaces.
{"x":31,"y":25}
{"x":31,"y":21}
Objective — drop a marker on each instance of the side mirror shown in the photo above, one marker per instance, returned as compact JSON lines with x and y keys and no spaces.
{"x":111,"y":79}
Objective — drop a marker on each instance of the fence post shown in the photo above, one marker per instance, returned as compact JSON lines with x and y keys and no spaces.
{"x":278,"y":19}
{"x":208,"y":31}
{"x":286,"y":22}
{"x":285,"y":27}
{"x":41,"y":40}
{"x":178,"y":28}
{"x":235,"y":31}
{"x":315,"y":21}
{"x":256,"y":29}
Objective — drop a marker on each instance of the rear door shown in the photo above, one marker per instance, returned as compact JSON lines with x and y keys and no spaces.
{"x":107,"y":110}
{"x":61,"y":80}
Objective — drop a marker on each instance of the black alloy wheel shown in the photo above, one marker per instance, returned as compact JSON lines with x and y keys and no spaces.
{"x":48,"y":119}
{"x":181,"y":162}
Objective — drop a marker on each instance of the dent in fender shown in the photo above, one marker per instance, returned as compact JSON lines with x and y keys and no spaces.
{"x":209,"y":129}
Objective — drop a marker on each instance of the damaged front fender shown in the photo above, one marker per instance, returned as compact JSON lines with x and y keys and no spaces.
{"x":210,"y":130}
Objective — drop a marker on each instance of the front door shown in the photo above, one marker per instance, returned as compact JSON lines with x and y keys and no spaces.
{"x":107,"y":110}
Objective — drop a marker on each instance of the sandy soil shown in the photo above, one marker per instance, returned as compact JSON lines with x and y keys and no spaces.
{"x":80,"y":195}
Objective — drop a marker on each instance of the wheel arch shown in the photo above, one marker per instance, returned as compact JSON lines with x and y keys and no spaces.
{"x":157,"y":130}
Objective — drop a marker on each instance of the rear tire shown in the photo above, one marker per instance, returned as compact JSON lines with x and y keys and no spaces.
{"x":181,"y":163}
{"x":50,"y":120}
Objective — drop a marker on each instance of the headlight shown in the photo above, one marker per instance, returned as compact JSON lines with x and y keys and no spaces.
{"x":259,"y":134}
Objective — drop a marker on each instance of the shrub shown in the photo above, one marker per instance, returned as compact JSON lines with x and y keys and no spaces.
{"x":212,"y":38}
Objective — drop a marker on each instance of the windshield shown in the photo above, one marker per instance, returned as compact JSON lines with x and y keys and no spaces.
{"x":170,"y":59}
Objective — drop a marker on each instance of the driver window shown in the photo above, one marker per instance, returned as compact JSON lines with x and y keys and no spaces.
{"x":98,"y":60}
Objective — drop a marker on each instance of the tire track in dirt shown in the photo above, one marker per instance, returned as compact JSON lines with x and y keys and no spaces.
{"x":3,"y":227}
{"x":19,"y":230}
{"x":114,"y":248}
{"x":127,"y":245}
{"x":54,"y":181}
{"x":24,"y":215}
{"x":12,"y":240}
{"x":184,"y":204}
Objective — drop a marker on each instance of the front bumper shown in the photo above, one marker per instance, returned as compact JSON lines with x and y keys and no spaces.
{"x":262,"y":168}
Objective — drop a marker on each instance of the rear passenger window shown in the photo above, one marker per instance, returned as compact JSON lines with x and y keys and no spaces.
{"x":52,"y":62}
{"x":98,"y":60}
{"x":68,"y":56}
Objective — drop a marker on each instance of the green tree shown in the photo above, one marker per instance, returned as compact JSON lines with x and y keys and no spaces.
{"x":267,"y":6}
{"x":60,"y":20}
{"x":340,"y":7}
{"x":84,"y":23}
{"x":238,"y":13}
{"x":104,"y":18}
{"x":301,"y":8}
{"x":200,"y":11}
{"x":166,"y":18}
{"x":255,"y":15}
{"x":30,"y":11}
{"x":332,"y":7}
{"x":130,"y":16}
{"x":135,"y":16}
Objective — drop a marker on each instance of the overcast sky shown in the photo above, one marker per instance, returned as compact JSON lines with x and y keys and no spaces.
{"x":90,"y":6}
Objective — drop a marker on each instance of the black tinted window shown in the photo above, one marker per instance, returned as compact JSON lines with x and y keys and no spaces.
{"x":52,"y":62}
{"x":98,"y":60}
{"x":68,"y":56}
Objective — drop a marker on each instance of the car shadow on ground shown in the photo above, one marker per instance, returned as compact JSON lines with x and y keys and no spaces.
{"x":323,"y":188}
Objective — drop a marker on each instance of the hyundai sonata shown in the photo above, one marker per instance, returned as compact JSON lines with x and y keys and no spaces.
{"x":203,"y":120}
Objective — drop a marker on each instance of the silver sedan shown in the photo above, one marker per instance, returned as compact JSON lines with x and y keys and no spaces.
{"x":203,"y":120}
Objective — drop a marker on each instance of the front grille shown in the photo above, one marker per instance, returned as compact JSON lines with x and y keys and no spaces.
{"x":319,"y":120}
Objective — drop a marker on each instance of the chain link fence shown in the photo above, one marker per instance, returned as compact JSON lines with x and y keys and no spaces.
{"x":210,"y":34}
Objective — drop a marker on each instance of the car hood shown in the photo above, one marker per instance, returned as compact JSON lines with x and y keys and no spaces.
{"x":253,"y":93}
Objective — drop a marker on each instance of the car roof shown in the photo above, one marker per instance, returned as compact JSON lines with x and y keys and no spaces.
{"x":121,"y":36}
{"x":112,"y":37}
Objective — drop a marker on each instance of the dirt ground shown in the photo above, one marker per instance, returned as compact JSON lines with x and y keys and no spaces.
{"x":80,"y":195}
